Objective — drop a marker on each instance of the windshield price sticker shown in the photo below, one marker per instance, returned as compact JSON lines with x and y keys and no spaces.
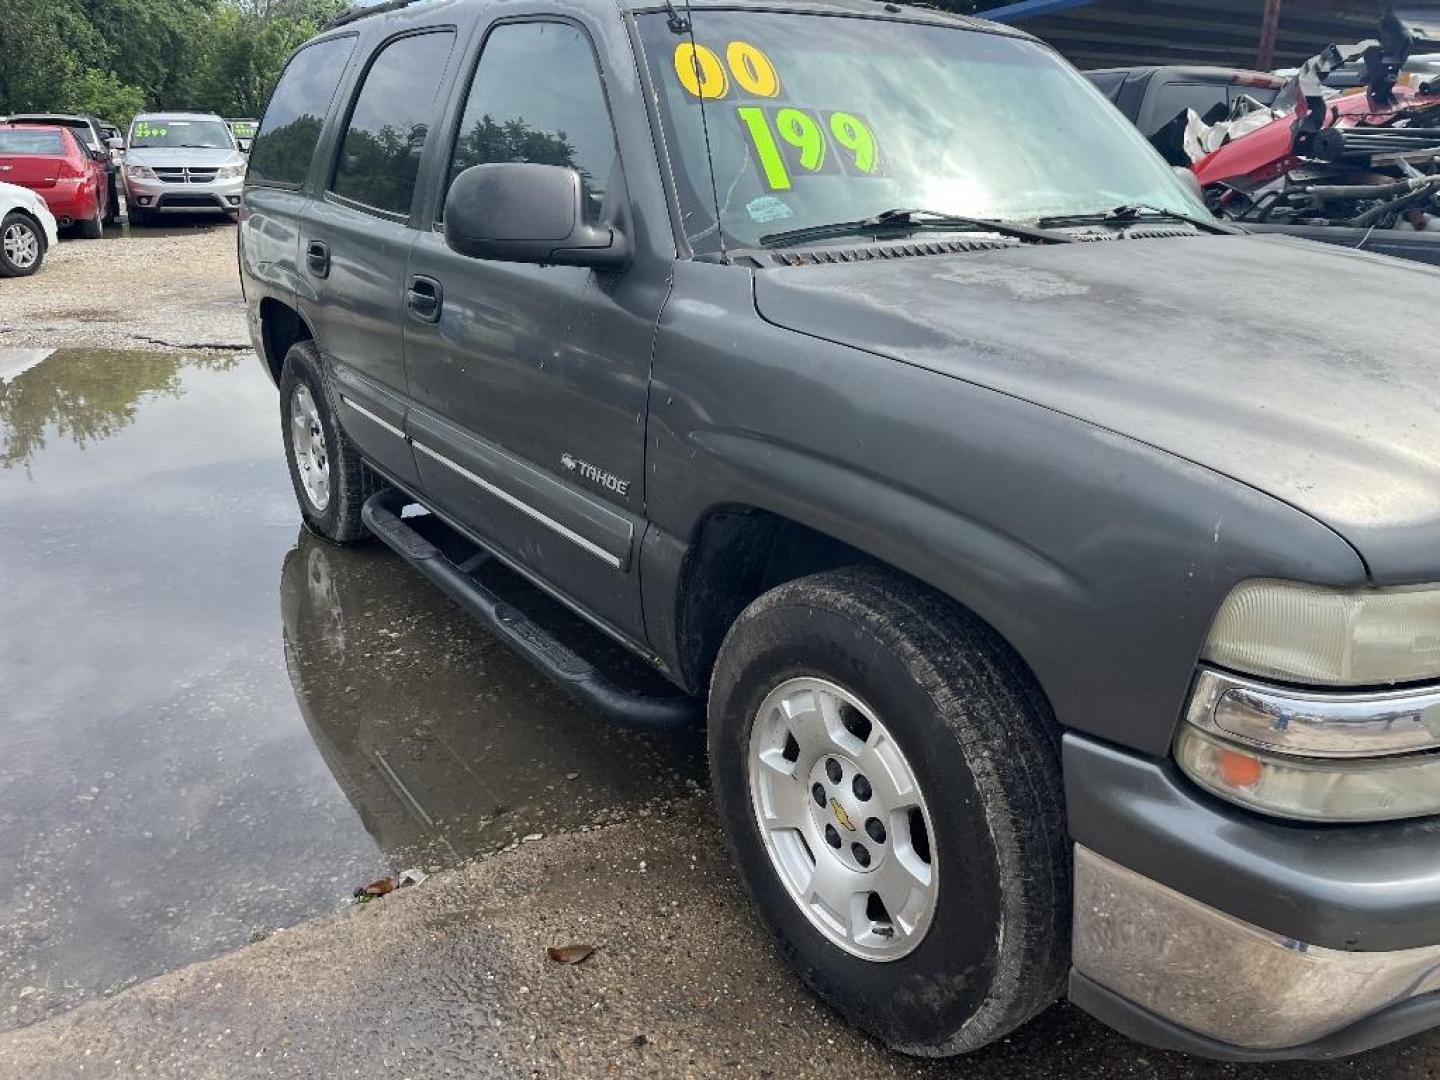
{"x":150,"y":131}
{"x":792,"y":142}
{"x":788,"y":141}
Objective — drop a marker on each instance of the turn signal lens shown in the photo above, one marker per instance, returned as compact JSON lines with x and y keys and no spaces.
{"x":1328,"y":637}
{"x":1311,"y":789}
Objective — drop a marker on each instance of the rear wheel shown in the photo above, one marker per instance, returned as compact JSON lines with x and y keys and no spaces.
{"x":22,"y":246}
{"x":112,"y":204}
{"x":325,"y":468}
{"x":94,"y":228}
{"x":888,"y":777}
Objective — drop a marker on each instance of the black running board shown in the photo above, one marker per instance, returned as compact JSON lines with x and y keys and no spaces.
{"x":576,"y":675}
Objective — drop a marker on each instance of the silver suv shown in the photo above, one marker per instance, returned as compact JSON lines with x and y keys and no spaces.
{"x":181,"y":163}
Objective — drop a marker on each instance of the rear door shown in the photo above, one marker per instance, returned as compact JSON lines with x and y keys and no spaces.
{"x":31,"y":157}
{"x":282,"y":161}
{"x":355,"y":239}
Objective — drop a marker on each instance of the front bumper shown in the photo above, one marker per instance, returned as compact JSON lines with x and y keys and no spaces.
{"x":1203,"y":927}
{"x":1230,"y":988}
{"x":160,"y":197}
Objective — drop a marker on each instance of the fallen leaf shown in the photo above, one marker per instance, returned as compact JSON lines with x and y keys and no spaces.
{"x":571,"y":954}
{"x":379,"y":888}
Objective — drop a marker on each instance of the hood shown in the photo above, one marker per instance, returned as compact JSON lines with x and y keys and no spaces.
{"x":178,"y":157}
{"x":1307,"y":371}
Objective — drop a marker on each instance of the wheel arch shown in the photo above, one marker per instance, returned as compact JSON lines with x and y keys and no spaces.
{"x":281,"y":326}
{"x":739,"y":551}
{"x":39,"y":226}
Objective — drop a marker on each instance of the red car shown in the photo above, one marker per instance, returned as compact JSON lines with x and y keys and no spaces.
{"x":57,"y":167}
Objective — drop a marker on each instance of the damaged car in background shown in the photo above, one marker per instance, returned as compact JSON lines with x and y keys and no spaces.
{"x":1358,"y":167}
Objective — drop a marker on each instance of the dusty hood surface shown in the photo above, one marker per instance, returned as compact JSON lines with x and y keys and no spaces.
{"x":1310,"y":372}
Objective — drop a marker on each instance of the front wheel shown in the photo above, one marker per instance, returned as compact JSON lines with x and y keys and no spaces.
{"x":325,"y":467}
{"x":888,"y":777}
{"x":22,"y":246}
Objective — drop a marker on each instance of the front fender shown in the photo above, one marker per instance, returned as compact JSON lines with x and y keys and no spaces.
{"x":1100,"y":559}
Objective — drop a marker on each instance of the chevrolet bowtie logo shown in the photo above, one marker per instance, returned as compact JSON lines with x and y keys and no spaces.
{"x":841,"y":816}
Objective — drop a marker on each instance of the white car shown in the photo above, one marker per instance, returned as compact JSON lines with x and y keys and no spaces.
{"x":27,"y":231}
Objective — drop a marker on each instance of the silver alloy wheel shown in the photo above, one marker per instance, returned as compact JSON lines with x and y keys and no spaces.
{"x":843,"y":820}
{"x":22,"y":245}
{"x":307,"y":436}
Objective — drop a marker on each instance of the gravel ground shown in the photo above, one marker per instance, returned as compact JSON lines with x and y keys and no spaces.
{"x":452,"y":978}
{"x":172,"y":288}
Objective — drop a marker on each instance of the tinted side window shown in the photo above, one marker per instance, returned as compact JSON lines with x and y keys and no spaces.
{"x":537,"y":97}
{"x":290,"y":129}
{"x":1107,"y":82}
{"x":389,"y":122}
{"x":1207,"y":99}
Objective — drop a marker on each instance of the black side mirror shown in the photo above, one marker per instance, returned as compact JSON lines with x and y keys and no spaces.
{"x":530,"y":213}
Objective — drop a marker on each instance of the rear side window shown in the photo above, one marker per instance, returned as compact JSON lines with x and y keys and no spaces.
{"x":1107,"y":82}
{"x":390,"y":121}
{"x":290,"y":130}
{"x":537,"y":97}
{"x":48,"y":143}
{"x":1207,"y":99}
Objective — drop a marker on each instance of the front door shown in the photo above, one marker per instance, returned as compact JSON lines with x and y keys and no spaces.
{"x":530,"y":383}
{"x":356,"y":237}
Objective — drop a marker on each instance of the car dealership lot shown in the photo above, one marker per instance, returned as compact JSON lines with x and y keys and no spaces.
{"x":216,"y":726}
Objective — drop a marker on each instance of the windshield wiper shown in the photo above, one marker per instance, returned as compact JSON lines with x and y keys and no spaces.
{"x":906,"y":220}
{"x":1133,"y":212}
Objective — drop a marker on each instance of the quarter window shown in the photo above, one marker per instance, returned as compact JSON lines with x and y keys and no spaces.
{"x":290,"y":131}
{"x":390,"y":121}
{"x":537,"y":97}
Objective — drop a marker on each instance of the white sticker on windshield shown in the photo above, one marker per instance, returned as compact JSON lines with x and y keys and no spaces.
{"x":768,"y":208}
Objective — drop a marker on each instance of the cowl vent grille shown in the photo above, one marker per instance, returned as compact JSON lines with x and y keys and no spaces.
{"x":1140,"y":232}
{"x":911,"y":249}
{"x":818,"y":256}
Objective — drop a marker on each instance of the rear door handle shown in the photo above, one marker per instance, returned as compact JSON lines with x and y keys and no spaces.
{"x":425,"y":297}
{"x":317,"y":257}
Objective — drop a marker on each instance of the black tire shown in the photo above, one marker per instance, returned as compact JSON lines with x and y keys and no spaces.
{"x":93,"y":229}
{"x":137,"y":216}
{"x":339,"y":519}
{"x":27,"y":224}
{"x":112,"y":206}
{"x":983,"y":746}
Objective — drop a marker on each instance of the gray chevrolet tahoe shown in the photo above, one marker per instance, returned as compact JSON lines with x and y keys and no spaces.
{"x":855,"y":370}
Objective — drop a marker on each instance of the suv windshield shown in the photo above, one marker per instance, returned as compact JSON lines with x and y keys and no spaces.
{"x":199,"y":134}
{"x":815,"y":119}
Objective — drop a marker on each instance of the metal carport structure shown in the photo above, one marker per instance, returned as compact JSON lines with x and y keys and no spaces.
{"x":1228,"y":33}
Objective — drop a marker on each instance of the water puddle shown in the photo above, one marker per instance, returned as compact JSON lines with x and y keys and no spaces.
{"x":213,"y":724}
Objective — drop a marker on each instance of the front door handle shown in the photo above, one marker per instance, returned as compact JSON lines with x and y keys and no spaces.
{"x":425,"y":298}
{"x":317,"y":257}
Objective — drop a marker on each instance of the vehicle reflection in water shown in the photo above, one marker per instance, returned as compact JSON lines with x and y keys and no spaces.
{"x":162,"y":798}
{"x":446,"y":743}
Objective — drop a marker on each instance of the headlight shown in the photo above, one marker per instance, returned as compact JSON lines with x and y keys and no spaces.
{"x":140,"y":172}
{"x":1314,"y":755}
{"x":229,"y":172}
{"x":1329,"y":637}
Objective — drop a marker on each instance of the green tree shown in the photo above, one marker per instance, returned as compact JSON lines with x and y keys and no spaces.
{"x":116,"y":57}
